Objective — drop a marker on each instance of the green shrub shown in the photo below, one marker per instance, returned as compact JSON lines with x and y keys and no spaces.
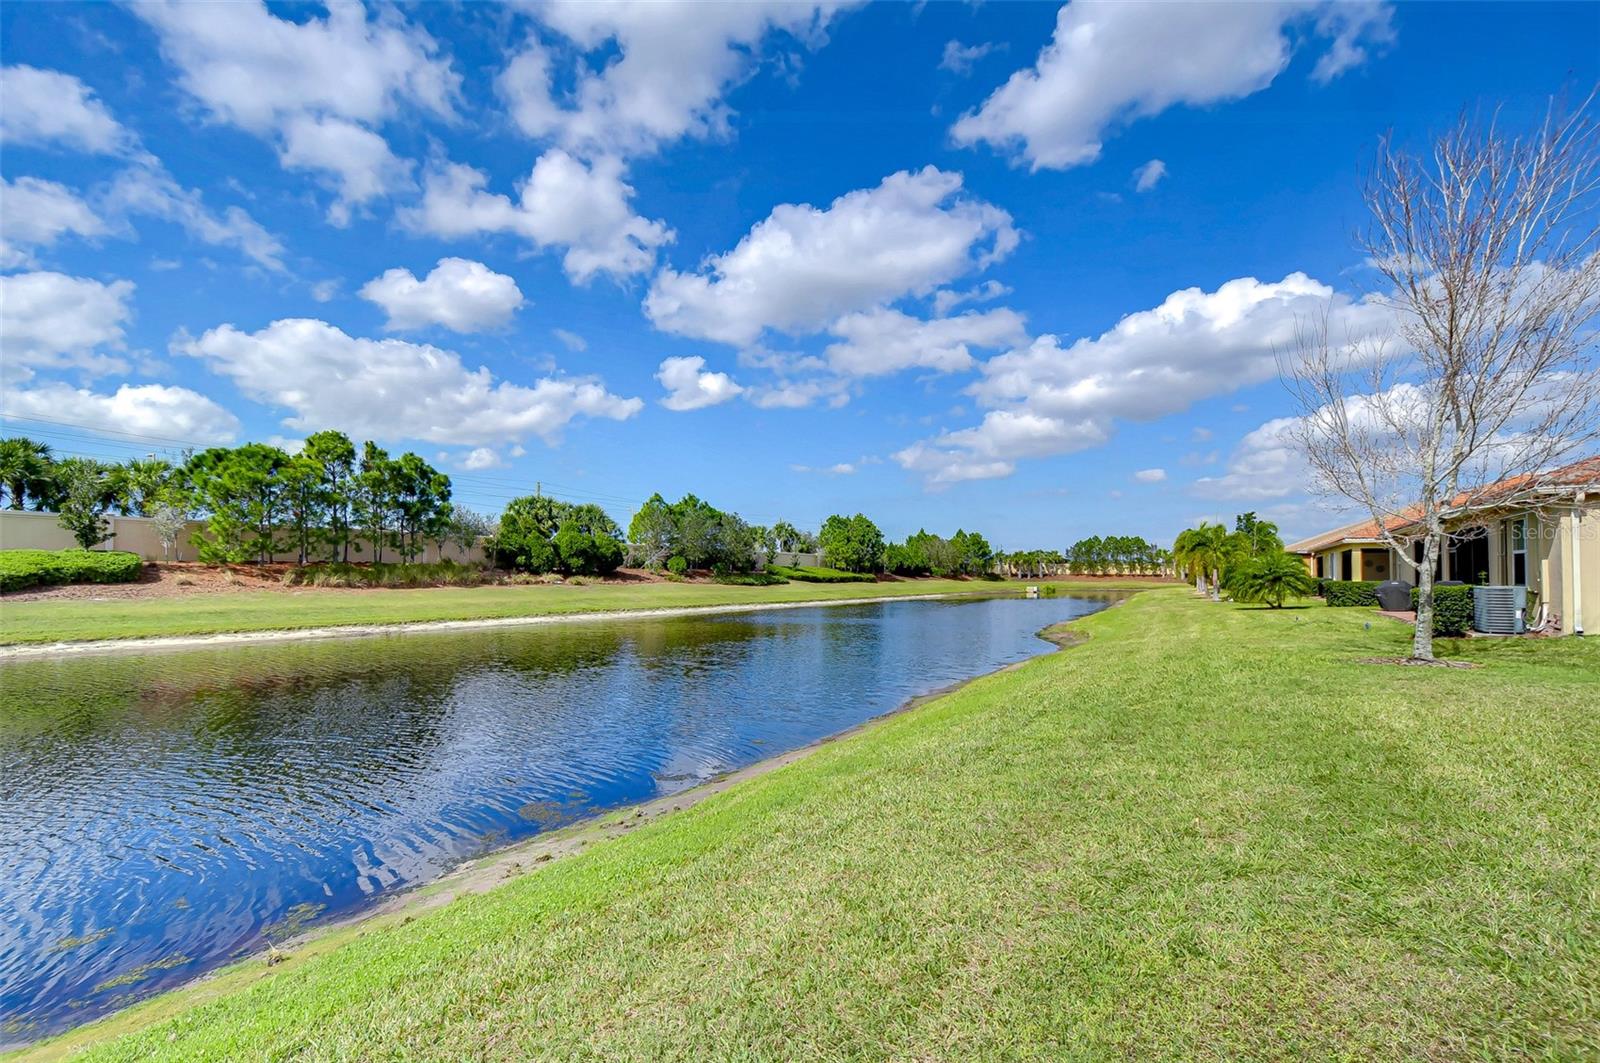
{"x":819,"y":575}
{"x":20,"y":569}
{"x":1350,"y":592}
{"x":677,"y":564}
{"x":1452,"y":610}
{"x":1270,"y":579}
{"x":751,"y":579}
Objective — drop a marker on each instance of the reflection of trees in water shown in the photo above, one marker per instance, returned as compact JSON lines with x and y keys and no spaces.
{"x":74,"y":697}
{"x":711,"y":680}
{"x":687,"y":645}
{"x":299,"y":717}
{"x":266,"y":776}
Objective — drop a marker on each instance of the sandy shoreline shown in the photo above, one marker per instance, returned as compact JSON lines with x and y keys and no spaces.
{"x":19,"y":651}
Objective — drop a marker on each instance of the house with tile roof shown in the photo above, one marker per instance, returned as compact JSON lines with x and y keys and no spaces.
{"x":1539,"y":532}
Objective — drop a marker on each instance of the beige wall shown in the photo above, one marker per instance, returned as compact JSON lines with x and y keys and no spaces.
{"x":21,"y":530}
{"x":1573,"y":592}
{"x":1549,"y":574}
{"x":1550,"y":556}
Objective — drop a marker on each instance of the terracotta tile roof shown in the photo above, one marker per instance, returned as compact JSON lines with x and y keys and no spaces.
{"x":1584,"y":473}
{"x":1364,"y":531}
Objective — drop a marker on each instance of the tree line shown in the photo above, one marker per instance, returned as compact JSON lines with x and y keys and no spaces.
{"x":255,"y":500}
{"x":332,"y":501}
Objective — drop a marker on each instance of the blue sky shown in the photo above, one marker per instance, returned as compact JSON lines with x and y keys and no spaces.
{"x":1006,"y":266}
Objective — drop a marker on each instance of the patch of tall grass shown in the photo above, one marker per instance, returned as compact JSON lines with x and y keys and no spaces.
{"x":341,"y":574}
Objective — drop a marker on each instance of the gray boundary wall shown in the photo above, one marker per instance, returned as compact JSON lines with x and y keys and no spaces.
{"x":25,"y":530}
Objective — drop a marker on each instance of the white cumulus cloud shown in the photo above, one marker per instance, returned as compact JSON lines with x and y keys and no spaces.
{"x":645,"y":74}
{"x":583,"y":208}
{"x":803,"y":266}
{"x":53,"y":321}
{"x":316,"y":87}
{"x":459,"y":294}
{"x":36,"y":213}
{"x":1150,"y":476}
{"x":992,"y":448}
{"x":47,"y":107}
{"x":1110,"y":63}
{"x":140,"y":409}
{"x":355,"y":161}
{"x":147,"y":188}
{"x":691,"y":387}
{"x":1045,"y":398}
{"x":253,"y":69}
{"x":50,"y":108}
{"x":1194,"y":345}
{"x":881,"y":341}
{"x":1267,"y":464}
{"x":480,"y":458}
{"x":392,"y":389}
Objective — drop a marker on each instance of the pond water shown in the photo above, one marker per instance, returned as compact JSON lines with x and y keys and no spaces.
{"x":165,"y":813}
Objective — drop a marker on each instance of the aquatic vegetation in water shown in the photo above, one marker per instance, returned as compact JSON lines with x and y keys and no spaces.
{"x":551,"y":814}
{"x":81,"y":940}
{"x":143,"y":971}
{"x":296,"y":919}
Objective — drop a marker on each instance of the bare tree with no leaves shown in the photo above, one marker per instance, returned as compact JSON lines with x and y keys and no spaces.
{"x":1490,"y":247}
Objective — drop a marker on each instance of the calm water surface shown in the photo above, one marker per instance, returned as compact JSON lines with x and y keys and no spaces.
{"x":163,"y":814}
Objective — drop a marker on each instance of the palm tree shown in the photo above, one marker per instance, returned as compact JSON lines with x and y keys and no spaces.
{"x":25,"y":470}
{"x":1183,"y":559}
{"x":140,"y":482}
{"x":1271,"y":578}
{"x":1204,"y":554}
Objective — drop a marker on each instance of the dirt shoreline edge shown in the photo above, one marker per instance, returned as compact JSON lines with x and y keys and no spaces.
{"x":25,"y":650}
{"x":482,"y":873}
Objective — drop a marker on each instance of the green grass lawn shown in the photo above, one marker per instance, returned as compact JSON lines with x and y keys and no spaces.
{"x":1207,"y":832}
{"x":209,"y":614}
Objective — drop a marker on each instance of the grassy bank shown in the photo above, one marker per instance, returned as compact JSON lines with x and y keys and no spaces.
{"x":1205,"y":832}
{"x":209,"y":614}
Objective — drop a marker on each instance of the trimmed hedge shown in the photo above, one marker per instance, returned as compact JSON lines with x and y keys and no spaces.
{"x":1452,"y":610}
{"x":820,"y":575}
{"x":21,"y":569}
{"x":1350,"y":592}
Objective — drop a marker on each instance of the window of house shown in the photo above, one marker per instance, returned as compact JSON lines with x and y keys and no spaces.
{"x":1519,"y":552}
{"x":1320,"y":573}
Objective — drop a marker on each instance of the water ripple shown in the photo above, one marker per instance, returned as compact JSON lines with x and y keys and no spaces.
{"x":163,"y":814}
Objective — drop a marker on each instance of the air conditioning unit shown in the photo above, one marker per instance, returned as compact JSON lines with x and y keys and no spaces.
{"x":1500,"y":610}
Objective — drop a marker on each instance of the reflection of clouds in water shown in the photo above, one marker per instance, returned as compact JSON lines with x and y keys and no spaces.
{"x":248,"y":781}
